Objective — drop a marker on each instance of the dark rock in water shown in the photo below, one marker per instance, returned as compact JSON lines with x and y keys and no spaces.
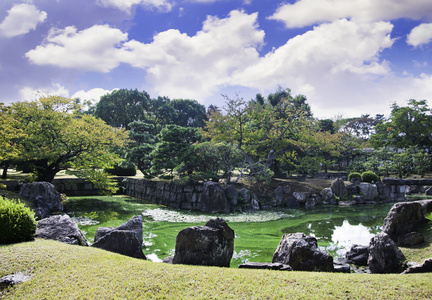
{"x":44,"y":196}
{"x":60,"y":228}
{"x":267,"y":266}
{"x":168,"y":260}
{"x":338,"y":188}
{"x":302,"y":254}
{"x":385,"y":256}
{"x":358,"y":255}
{"x":11,"y":280}
{"x":213,"y":199}
{"x":135,"y":224}
{"x":410,"y":239}
{"x":124,"y":242}
{"x":425,"y":267}
{"x":403,"y":217}
{"x":209,"y":245}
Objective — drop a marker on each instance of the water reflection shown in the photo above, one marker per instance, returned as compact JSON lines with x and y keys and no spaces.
{"x":345,"y":236}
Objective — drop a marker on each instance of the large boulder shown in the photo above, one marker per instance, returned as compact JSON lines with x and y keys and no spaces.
{"x":358,"y":255}
{"x":44,"y":196}
{"x":338,"y":188}
{"x":425,"y":267}
{"x":403,"y":217}
{"x":302,"y":254}
{"x":135,"y":225}
{"x":60,"y":228}
{"x":209,"y":245}
{"x":213,"y":199}
{"x":124,"y":242}
{"x":385,"y":256}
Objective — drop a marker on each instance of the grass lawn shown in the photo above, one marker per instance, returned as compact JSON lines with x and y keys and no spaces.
{"x":61,"y":271}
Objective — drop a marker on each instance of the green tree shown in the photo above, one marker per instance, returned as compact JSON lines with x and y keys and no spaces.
{"x":188,"y":113}
{"x":122,"y":107}
{"x":56,"y":136}
{"x":407,"y":126}
{"x":143,"y":142}
{"x":262,"y":132}
{"x":174,"y":146}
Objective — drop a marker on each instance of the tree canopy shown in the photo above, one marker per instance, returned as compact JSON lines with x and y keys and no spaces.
{"x":55,"y":136}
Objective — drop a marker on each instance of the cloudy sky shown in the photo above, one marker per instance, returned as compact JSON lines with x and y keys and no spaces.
{"x":348,"y":57}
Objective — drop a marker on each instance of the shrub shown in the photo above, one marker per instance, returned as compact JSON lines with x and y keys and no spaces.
{"x":354,"y":175}
{"x":17,"y":222}
{"x":124,"y":168}
{"x":369,"y":176}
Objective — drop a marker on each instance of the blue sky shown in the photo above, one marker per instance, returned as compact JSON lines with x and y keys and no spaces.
{"x":348,"y":57}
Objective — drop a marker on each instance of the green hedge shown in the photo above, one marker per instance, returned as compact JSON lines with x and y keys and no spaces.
{"x":124,"y":168}
{"x":354,"y":175}
{"x":369,"y":176}
{"x":17,"y":222}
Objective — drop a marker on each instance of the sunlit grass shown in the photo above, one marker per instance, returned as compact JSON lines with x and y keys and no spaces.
{"x":61,"y":271}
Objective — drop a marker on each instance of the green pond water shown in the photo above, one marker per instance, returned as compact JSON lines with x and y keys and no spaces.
{"x":257,"y":234}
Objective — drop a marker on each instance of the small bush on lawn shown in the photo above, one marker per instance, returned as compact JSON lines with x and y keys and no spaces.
{"x":354,"y":175}
{"x":369,"y":176}
{"x":17,"y":222}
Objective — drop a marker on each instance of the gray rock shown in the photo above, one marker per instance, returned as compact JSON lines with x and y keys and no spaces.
{"x":135,"y":224}
{"x":326,"y":194}
{"x":245,"y":195}
{"x":403,"y":217}
{"x":209,"y":245}
{"x":266,"y":266}
{"x":338,"y":188}
{"x":11,"y":280}
{"x":302,"y":254}
{"x":278,"y":195}
{"x":123,"y":242}
{"x":44,"y":196}
{"x":340,"y":266}
{"x":213,"y":199}
{"x":232,"y":195}
{"x":254,"y":203}
{"x":168,"y":260}
{"x":369,"y":191}
{"x":292,"y":202}
{"x":60,"y":228}
{"x":301,"y":197}
{"x":358,"y":255}
{"x":425,"y":267}
{"x":410,"y":239}
{"x":385,"y":256}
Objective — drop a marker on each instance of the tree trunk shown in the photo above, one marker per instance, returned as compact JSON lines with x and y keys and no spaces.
{"x":5,"y":170}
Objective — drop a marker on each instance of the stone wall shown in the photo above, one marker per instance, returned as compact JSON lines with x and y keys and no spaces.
{"x":186,"y":196}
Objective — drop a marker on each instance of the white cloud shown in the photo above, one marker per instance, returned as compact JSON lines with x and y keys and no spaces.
{"x":92,"y":49}
{"x":420,"y":35}
{"x":309,"y":12}
{"x":327,"y":50}
{"x":93,"y":95}
{"x":29,"y":93}
{"x":126,"y":5}
{"x":179,"y":65}
{"x":21,"y":19}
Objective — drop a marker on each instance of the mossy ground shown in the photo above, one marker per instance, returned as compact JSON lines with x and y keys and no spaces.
{"x":61,"y":271}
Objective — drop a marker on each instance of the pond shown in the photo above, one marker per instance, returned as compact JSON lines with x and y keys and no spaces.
{"x":257,"y":234}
